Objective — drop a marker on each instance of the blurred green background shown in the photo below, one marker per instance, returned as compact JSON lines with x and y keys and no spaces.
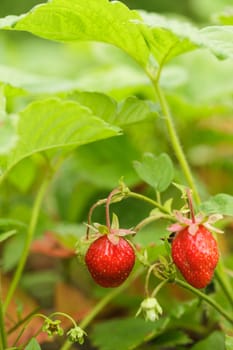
{"x":197,"y":9}
{"x":199,"y":89}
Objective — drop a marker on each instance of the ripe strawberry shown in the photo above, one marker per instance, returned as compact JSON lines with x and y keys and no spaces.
{"x":196,"y":255}
{"x":110,"y":263}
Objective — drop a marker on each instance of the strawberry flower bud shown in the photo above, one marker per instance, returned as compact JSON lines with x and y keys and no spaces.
{"x":52,"y":327}
{"x":151,"y":309}
{"x":76,"y":335}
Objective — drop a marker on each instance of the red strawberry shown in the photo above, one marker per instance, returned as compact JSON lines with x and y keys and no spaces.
{"x":110,"y":263}
{"x":196,"y":255}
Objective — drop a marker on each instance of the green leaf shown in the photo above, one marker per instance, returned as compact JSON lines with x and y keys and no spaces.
{"x":55,"y":124}
{"x":126,"y":333}
{"x":11,"y":223}
{"x":111,"y":159}
{"x":141,"y":35}
{"x":115,"y":222}
{"x":181,"y":309}
{"x":12,"y":252}
{"x":33,"y":345}
{"x":5,"y":235}
{"x":8,"y":136}
{"x":219,"y":40}
{"x":23,"y":175}
{"x":133,"y":110}
{"x":220,"y":204}
{"x":226,"y":17}
{"x":171,"y":338}
{"x":102,"y":21}
{"x":101,"y":105}
{"x":213,"y":341}
{"x":229,"y":342}
{"x":168,"y":38}
{"x":158,"y":171}
{"x":2,"y":104}
{"x":130,"y":111}
{"x":9,"y":21}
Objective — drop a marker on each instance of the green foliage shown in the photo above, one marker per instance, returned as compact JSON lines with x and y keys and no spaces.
{"x":130,"y":111}
{"x":126,"y":333}
{"x":226,"y":17}
{"x":12,"y":252}
{"x":140,"y":35}
{"x":158,"y":172}
{"x":229,"y":342}
{"x":173,"y":338}
{"x":5,"y":235}
{"x":33,"y":345}
{"x":213,"y":341}
{"x":9,"y":228}
{"x":51,"y":124}
{"x":221,"y":203}
{"x":61,"y":106}
{"x":110,"y":159}
{"x":63,"y":21}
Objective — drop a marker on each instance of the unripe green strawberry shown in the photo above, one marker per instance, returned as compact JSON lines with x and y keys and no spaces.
{"x":196,"y":255}
{"x":109,"y":262}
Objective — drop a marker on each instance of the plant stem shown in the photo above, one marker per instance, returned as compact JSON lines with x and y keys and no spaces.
{"x":30,"y":234}
{"x":158,"y":287}
{"x":102,"y":303}
{"x":148,"y":200}
{"x":206,"y":298}
{"x":224,"y":282}
{"x":3,"y":344}
{"x":221,"y":276}
{"x":100,"y":202}
{"x":108,"y":202}
{"x":190,"y":202}
{"x":175,"y":141}
{"x":22,"y":321}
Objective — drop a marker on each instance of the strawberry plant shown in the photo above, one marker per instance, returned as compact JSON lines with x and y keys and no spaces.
{"x":102,"y":106}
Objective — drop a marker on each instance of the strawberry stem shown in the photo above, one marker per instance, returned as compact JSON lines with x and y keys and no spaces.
{"x":206,"y":298}
{"x":100,"y":202}
{"x":158,"y":287}
{"x":190,"y":203}
{"x":108,"y":202}
{"x":151,"y":268}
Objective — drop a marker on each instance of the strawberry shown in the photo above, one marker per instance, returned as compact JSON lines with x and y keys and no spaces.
{"x":195,"y":253}
{"x":110,"y":261}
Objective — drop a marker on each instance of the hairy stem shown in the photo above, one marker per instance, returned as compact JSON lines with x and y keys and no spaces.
{"x":224,"y":282}
{"x":100,"y":202}
{"x":3,"y":340}
{"x":206,"y":298}
{"x":190,"y":202}
{"x":148,"y":200}
{"x":158,"y":287}
{"x":108,"y":202}
{"x":30,"y":234}
{"x":175,"y":141}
